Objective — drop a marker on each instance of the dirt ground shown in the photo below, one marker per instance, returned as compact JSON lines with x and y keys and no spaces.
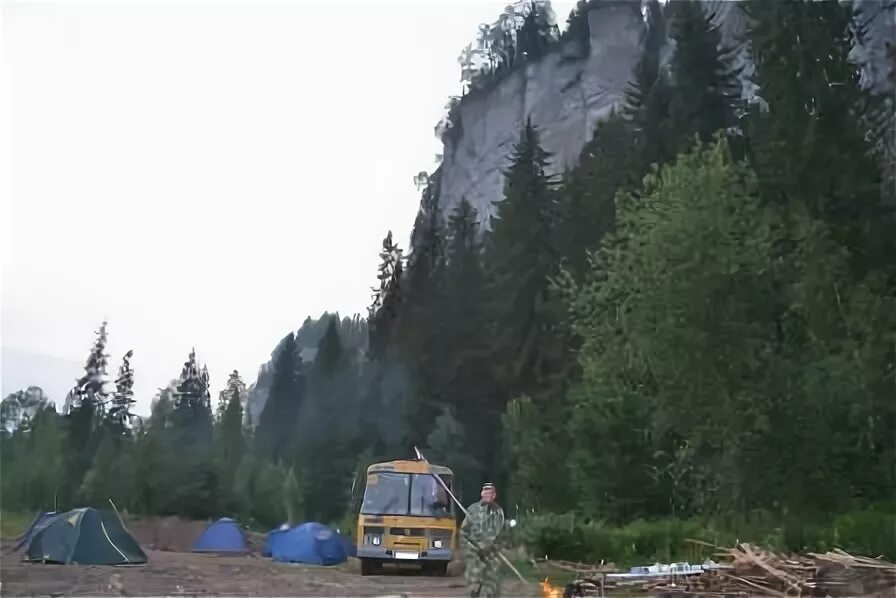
{"x":188,"y":574}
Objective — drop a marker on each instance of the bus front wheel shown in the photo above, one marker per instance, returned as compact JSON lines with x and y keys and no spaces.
{"x":438,"y":569}
{"x":370,"y":567}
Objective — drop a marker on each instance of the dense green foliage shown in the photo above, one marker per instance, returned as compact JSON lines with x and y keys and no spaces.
{"x":690,"y":334}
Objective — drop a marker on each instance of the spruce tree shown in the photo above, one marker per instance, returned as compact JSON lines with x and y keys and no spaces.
{"x":119,"y":415}
{"x":92,"y":389}
{"x":229,"y":442}
{"x":810,"y":146}
{"x":423,"y":272}
{"x":192,"y":405}
{"x":279,"y":418}
{"x":328,"y":439}
{"x":704,"y":85}
{"x":521,"y":256}
{"x":418,"y":323}
{"x":235,"y":387}
{"x":464,"y":347}
{"x":531,"y":350}
{"x":158,"y":455}
{"x":330,"y":355}
{"x":85,"y":405}
{"x":587,"y":196}
{"x":191,"y":477}
{"x":387,"y":298}
{"x":647,"y":102}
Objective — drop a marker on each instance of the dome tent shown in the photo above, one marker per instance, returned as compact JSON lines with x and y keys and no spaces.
{"x":222,"y":536}
{"x":310,"y":543}
{"x":85,"y":536}
{"x":272,"y":538}
{"x":41,"y":521}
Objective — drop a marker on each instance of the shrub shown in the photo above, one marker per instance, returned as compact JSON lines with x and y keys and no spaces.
{"x":870,"y":532}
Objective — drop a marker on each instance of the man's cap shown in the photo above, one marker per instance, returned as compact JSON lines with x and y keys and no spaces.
{"x":488,"y":486}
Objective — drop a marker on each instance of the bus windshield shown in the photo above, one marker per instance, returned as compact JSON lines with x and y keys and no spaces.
{"x":389,"y":493}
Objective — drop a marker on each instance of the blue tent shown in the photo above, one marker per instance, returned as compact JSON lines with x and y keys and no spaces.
{"x":40,"y":522}
{"x":273,"y":535}
{"x":310,"y":543}
{"x":222,"y":536}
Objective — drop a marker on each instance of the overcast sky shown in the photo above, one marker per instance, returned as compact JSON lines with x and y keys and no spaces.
{"x":208,"y":174}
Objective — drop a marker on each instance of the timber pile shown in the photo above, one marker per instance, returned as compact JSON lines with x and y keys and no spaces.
{"x":758,"y":572}
{"x":754,"y":572}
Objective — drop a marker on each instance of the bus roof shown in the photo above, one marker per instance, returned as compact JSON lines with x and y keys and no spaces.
{"x":409,"y":466}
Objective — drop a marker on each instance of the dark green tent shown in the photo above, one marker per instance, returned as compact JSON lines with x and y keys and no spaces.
{"x":86,"y":537}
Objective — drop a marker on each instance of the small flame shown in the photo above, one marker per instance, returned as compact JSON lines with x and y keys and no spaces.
{"x":549,"y":591}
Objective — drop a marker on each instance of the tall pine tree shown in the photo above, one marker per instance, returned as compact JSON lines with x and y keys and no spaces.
{"x":84,"y":408}
{"x":119,"y":415}
{"x":387,"y":298}
{"x":418,"y":324}
{"x":587,"y":197}
{"x":463,"y":351}
{"x":811,"y":147}
{"x":531,"y":351}
{"x":192,"y":476}
{"x":235,"y":387}
{"x":279,"y":418}
{"x":229,"y":442}
{"x":647,"y":102}
{"x":192,"y":406}
{"x":328,"y":442}
{"x":704,"y":85}
{"x":521,"y":257}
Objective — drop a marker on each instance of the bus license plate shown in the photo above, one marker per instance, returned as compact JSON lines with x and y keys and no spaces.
{"x":407,"y":556}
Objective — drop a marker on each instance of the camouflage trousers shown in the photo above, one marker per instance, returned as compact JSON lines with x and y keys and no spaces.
{"x":483,"y":575}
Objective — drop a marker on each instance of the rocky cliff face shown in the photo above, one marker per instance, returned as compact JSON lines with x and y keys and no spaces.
{"x":572,"y":88}
{"x":565,"y":94}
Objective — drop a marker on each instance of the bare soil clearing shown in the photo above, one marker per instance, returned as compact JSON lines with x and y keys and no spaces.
{"x":174,"y":571}
{"x":188,"y":574}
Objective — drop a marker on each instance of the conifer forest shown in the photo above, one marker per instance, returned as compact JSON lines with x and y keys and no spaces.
{"x":690,"y":334}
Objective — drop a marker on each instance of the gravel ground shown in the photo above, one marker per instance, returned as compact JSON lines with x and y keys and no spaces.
{"x":188,"y":574}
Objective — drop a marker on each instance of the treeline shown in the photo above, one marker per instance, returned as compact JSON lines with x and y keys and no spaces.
{"x":192,"y":458}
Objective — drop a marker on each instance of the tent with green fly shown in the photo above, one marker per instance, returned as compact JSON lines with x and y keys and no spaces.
{"x":86,"y":537}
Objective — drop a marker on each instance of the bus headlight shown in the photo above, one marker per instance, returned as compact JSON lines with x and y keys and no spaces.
{"x":436,"y":543}
{"x":375,"y":540}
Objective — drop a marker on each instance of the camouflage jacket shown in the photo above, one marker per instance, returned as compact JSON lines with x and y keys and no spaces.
{"x":482,"y":527}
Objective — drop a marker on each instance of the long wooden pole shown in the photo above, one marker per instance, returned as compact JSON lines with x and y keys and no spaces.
{"x":466,"y":514}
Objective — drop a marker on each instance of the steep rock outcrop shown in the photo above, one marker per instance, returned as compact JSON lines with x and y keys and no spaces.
{"x":565,"y":94}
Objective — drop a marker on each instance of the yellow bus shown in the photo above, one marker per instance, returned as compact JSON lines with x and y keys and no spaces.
{"x":405,"y":516}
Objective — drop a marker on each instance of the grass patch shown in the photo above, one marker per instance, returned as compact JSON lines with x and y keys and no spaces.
{"x":13,"y":524}
{"x":867,"y":532}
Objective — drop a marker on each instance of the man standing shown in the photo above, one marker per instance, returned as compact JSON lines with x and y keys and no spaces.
{"x":479,"y":537}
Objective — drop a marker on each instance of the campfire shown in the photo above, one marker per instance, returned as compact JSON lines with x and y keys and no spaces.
{"x":549,"y":591}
